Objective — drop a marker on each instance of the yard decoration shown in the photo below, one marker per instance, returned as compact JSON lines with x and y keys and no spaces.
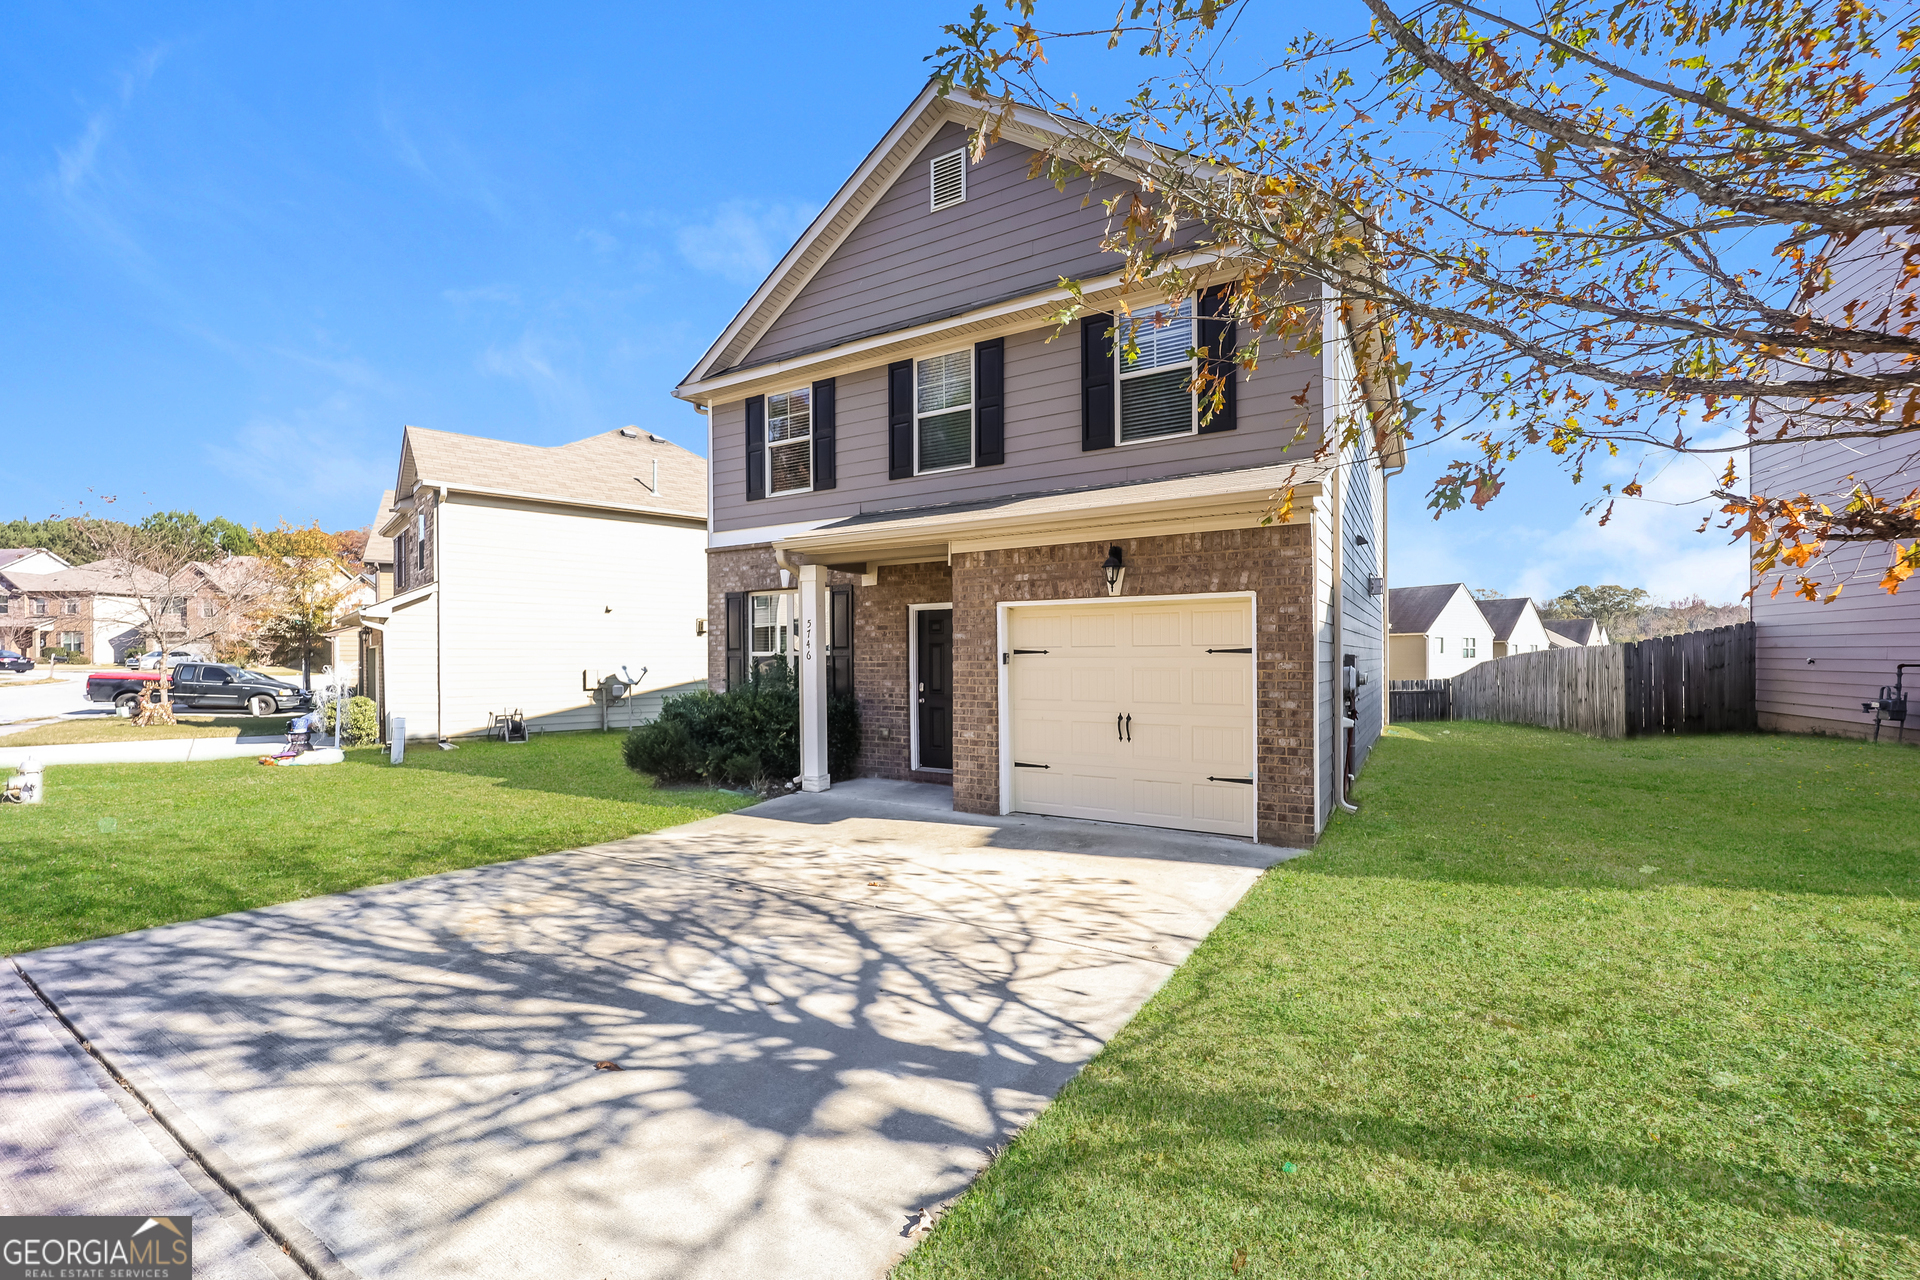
{"x":1642,"y":225}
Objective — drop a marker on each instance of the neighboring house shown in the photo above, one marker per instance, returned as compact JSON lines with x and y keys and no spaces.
{"x":32,"y":560}
{"x":96,"y":610}
{"x":919,"y":484}
{"x":522,"y":575}
{"x":1516,"y":626}
{"x":1814,"y":663}
{"x":1438,"y":631}
{"x":378,"y":555}
{"x":1574,"y":633}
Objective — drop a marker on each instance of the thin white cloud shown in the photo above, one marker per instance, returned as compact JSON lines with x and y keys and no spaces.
{"x":307,"y":459}
{"x":563,"y":399}
{"x":743,"y":239}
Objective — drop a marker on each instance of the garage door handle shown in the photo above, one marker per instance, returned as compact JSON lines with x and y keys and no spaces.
{"x":1245,"y":782}
{"x":1116,"y":730}
{"x":1030,"y":650}
{"x":1018,"y":765}
{"x":1129,"y":728}
{"x":1229,"y":651}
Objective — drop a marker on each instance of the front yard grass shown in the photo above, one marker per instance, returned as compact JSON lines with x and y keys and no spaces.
{"x":1547,"y":1006}
{"x":120,"y":847}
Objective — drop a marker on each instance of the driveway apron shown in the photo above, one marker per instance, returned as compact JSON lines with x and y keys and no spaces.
{"x":815,"y":1016}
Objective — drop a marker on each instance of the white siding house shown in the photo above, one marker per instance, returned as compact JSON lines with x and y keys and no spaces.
{"x":524,"y":575}
{"x":1437,"y":631}
{"x":1516,"y":626}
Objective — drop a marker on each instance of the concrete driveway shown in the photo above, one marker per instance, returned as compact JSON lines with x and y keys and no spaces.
{"x":827,"y":1011}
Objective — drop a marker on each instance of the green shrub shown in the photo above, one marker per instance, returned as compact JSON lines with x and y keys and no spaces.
{"x":744,"y":737}
{"x":363,"y":722}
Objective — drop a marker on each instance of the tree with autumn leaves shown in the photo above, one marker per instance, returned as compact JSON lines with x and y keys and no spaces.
{"x":310,"y":586}
{"x":1579,"y":230}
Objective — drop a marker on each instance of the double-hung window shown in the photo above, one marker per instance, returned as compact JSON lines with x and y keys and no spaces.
{"x":1468,"y":649}
{"x":771,"y":618}
{"x":69,"y":606}
{"x":790,"y":442}
{"x":943,"y":413}
{"x":1156,"y":384}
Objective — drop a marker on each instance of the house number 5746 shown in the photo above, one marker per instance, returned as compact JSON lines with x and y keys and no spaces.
{"x":807,"y":642}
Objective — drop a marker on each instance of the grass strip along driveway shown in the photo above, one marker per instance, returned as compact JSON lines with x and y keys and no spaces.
{"x":1547,"y":1006}
{"x":120,"y":847}
{"x":119,"y":729}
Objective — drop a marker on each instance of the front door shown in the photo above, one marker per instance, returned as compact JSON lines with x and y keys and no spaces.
{"x":933,"y":660}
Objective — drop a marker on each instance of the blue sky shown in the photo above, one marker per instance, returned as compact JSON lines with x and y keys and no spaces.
{"x":246,"y":243}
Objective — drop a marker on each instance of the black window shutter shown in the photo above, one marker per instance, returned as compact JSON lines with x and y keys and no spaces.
{"x":900,"y":420}
{"x":989,"y":417}
{"x":823,"y":443}
{"x":736,"y":639}
{"x":839,"y":641}
{"x":1219,"y":334}
{"x":756,"y":447}
{"x":1096,"y":382}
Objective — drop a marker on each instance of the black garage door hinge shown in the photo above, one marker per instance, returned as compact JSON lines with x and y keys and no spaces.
{"x":1245,"y":782}
{"x":1018,"y":765}
{"x":1229,"y":651}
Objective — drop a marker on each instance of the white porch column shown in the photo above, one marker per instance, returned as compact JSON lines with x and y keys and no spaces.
{"x":813,"y":678}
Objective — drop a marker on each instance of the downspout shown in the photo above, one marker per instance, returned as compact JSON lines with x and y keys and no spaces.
{"x":439,"y":607}
{"x":1332,"y":332}
{"x":1343,"y":727}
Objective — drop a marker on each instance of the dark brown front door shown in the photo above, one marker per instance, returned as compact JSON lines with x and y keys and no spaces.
{"x":934,"y":640}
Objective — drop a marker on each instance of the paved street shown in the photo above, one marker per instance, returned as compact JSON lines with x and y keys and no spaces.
{"x":827,"y":1011}
{"x":23,"y":697}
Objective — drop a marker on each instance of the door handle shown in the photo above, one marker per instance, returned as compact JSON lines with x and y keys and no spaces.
{"x":1116,"y":730}
{"x":1129,"y":727}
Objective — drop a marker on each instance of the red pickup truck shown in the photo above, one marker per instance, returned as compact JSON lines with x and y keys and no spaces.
{"x":204,"y":686}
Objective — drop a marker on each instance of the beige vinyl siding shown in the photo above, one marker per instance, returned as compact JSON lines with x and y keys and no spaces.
{"x":528,"y":589}
{"x":412,"y":667}
{"x":1407,"y":657}
{"x":1042,"y":398}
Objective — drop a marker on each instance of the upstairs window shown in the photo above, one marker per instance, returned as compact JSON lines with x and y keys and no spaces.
{"x":949,"y":173}
{"x":1469,"y":647}
{"x":39,"y":608}
{"x":943,"y":413}
{"x":208,"y":609}
{"x":790,"y":442}
{"x":1156,"y":385}
{"x":420,"y":542}
{"x":69,"y":606}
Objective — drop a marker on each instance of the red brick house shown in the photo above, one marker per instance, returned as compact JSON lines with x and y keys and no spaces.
{"x":1038,"y":566}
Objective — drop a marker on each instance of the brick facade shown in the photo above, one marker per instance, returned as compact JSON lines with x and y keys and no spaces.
{"x":1274,"y":563}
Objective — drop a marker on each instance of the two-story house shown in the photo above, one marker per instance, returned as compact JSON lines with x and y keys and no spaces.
{"x":1040,"y":567}
{"x":516,"y":578}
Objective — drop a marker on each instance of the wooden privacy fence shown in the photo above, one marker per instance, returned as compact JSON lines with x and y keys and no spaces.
{"x":1581,"y":690}
{"x":1699,"y":682}
{"x":1420,"y":700}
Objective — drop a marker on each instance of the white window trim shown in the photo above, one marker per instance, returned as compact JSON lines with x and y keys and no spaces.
{"x":913,"y":686}
{"x":933,"y":167}
{"x":973,"y":422}
{"x":787,"y":619}
{"x":1121,"y":373}
{"x":806,"y":440}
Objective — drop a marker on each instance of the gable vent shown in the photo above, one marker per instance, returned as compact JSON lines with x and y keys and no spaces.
{"x":949,"y":179}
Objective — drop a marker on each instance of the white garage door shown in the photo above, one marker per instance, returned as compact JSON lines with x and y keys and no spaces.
{"x":1134,"y":713}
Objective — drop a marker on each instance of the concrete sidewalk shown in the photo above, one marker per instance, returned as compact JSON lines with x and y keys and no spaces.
{"x":827,"y":1012}
{"x":74,"y":1142}
{"x":158,"y":751}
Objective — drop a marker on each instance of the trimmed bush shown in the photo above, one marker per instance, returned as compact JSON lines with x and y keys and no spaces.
{"x":363,"y":722}
{"x":746,"y":737}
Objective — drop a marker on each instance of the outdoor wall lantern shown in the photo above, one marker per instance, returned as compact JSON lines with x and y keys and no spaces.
{"x":1116,"y":571}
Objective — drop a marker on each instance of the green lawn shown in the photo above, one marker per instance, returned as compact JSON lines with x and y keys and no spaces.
{"x":119,"y":847}
{"x":1547,"y":1006}
{"x":116,"y":729}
